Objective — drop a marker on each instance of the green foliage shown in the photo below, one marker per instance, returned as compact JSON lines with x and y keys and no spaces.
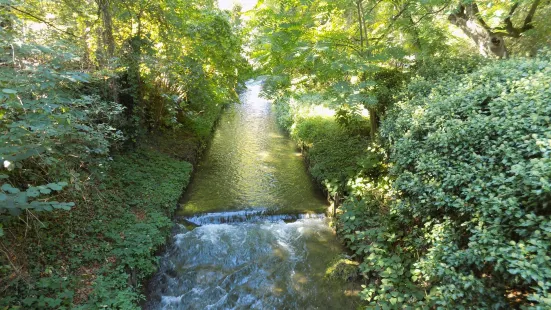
{"x":467,"y":224}
{"x":377,"y":238}
{"x":69,"y":97}
{"x":350,"y":119}
{"x":461,"y":219}
{"x":335,"y":154}
{"x":49,"y":128}
{"x":476,"y":155}
{"x":387,"y":82}
{"x":195,"y":69}
{"x":90,"y":255}
{"x":14,"y":201}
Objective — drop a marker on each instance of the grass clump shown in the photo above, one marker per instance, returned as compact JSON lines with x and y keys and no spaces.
{"x":343,"y":269}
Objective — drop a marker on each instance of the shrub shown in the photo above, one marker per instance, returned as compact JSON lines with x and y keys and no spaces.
{"x":473,"y":180}
{"x":49,"y":128}
{"x":350,"y":119}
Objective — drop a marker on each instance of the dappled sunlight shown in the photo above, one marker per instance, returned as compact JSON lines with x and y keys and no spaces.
{"x":305,"y":110}
{"x":264,"y":155}
{"x":320,"y":110}
{"x":246,"y":5}
{"x":276,"y":135}
{"x":416,"y":133}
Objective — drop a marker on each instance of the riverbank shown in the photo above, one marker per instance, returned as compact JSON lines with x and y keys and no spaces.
{"x":101,"y":252}
{"x":97,"y":254}
{"x":455,"y":187}
{"x":333,"y":157}
{"x":333,"y":154}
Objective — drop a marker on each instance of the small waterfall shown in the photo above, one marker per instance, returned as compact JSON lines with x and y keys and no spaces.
{"x":255,"y":215}
{"x":269,"y":265}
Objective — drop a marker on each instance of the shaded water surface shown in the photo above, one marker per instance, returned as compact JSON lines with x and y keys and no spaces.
{"x":260,"y":240}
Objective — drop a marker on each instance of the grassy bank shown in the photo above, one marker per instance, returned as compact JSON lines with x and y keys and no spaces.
{"x":99,"y":253}
{"x":334,"y":153}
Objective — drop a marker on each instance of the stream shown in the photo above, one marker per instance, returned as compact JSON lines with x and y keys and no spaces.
{"x":252,"y":232}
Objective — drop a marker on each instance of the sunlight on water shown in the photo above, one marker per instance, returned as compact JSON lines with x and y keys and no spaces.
{"x":252,"y":164}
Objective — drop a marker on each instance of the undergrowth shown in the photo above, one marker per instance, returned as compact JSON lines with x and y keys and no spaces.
{"x":97,"y":254}
{"x":334,"y":153}
{"x":449,"y":208}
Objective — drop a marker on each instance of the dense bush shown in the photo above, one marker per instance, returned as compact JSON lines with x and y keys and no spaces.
{"x":329,"y":145}
{"x":351,"y":119}
{"x":50,"y":128}
{"x":468,"y":222}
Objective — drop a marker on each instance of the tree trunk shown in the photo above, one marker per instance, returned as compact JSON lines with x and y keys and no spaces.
{"x":487,"y":42}
{"x":360,"y":24}
{"x":416,"y":38}
{"x":107,"y":22}
{"x":86,"y":62}
{"x":109,"y":42}
{"x":490,"y":40}
{"x":374,"y":122}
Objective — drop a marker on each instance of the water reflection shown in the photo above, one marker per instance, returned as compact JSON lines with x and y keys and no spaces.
{"x":252,"y":164}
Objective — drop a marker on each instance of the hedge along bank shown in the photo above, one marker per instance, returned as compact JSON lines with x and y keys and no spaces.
{"x":453,"y":210}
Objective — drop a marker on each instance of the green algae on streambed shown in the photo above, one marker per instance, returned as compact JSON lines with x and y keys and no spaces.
{"x":252,"y":164}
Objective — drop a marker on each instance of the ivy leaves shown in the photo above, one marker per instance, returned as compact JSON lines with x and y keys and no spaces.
{"x":9,"y":91}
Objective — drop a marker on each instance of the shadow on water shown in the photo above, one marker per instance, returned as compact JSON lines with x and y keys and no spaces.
{"x":256,"y":236}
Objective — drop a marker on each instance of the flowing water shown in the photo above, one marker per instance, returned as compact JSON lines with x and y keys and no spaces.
{"x":259,"y":239}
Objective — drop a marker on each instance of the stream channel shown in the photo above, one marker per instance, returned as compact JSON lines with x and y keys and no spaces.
{"x":260,"y":240}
